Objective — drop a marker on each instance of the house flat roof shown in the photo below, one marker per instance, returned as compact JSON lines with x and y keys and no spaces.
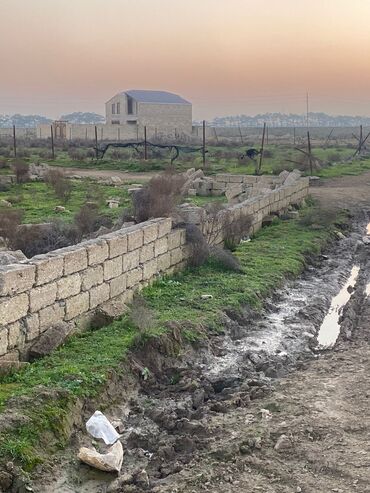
{"x":163,"y":97}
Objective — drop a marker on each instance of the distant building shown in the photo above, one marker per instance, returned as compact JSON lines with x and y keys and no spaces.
{"x":155,"y":109}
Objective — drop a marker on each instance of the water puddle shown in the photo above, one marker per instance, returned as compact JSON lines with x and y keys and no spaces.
{"x":330,"y":327}
{"x":367,"y":290}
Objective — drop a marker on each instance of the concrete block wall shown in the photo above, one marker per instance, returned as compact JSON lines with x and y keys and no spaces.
{"x":69,"y":284}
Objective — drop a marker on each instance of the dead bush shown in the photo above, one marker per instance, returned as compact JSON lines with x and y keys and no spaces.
{"x":226,"y":259}
{"x":235,"y":229}
{"x":268,"y":153}
{"x":197,"y":244}
{"x":4,"y":164}
{"x":334,"y":157}
{"x":159,"y":197}
{"x":10,"y":219}
{"x":76,"y":154}
{"x":216,"y":215}
{"x":94,"y":193}
{"x":86,"y":218}
{"x":62,"y":187}
{"x":21,"y":170}
{"x":141,"y":316}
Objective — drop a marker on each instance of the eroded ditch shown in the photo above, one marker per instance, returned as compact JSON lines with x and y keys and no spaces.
{"x":165,"y":421}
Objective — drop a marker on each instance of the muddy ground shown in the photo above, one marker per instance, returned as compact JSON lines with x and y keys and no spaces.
{"x":258,"y":408}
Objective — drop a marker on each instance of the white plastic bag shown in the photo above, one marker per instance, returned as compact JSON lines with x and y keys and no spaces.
{"x":99,"y":427}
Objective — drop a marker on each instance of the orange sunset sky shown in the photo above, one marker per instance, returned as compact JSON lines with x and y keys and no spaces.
{"x":226,"y":56}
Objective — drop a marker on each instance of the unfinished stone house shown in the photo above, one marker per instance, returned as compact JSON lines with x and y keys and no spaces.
{"x":155,"y":109}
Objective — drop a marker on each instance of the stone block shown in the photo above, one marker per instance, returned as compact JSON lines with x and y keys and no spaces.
{"x":135,"y":239}
{"x":117,"y":244}
{"x":117,"y":285}
{"x":91,"y":277}
{"x":164,"y":227}
{"x":99,"y":295}
{"x":161,"y":246}
{"x":48,"y":268}
{"x":51,"y":315}
{"x":16,"y":278}
{"x":176,"y":256}
{"x":42,"y":296}
{"x":174,"y":239}
{"x":146,"y":252}
{"x":16,"y":335}
{"x":75,"y":258}
{"x":134,"y":277}
{"x":76,"y":305}
{"x":150,"y":233}
{"x":32,"y":326}
{"x":68,"y":286}
{"x":131,"y":260}
{"x":3,"y":340}
{"x":112,"y":268}
{"x":50,"y":340}
{"x":13,"y":308}
{"x":150,"y":269}
{"x":164,"y":262}
{"x":109,"y":312}
{"x":97,"y":251}
{"x":236,"y":178}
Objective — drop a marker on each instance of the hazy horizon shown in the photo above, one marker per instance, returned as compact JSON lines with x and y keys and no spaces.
{"x":228,"y":57}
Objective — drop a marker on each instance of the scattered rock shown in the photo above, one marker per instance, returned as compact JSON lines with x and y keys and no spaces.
{"x":109,"y":462}
{"x":50,"y":340}
{"x":60,"y":208}
{"x":283,"y":443}
{"x":141,"y":479}
{"x":5,"y":203}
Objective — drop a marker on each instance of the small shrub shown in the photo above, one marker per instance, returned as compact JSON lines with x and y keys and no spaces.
{"x":23,"y":153}
{"x":86,"y":218}
{"x":4,"y":164}
{"x":235,"y":230}
{"x":61,"y":185}
{"x":226,"y":259}
{"x":4,"y":187}
{"x":159,"y":197}
{"x":76,"y":154}
{"x":198,"y":246}
{"x":10,"y":219}
{"x":94,"y":193}
{"x":21,"y":170}
{"x":5,"y":151}
{"x":267,"y":153}
{"x":334,"y":157}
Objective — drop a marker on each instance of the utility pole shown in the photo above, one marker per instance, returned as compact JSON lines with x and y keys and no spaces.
{"x":258,"y":170}
{"x":204,"y":144}
{"x":309,"y":152}
{"x":145,"y":145}
{"x":52,"y":141}
{"x":307,"y":108}
{"x":14,"y":142}
{"x":96,"y":142}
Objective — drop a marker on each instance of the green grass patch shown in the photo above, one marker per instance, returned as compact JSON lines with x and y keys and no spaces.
{"x":82,"y":366}
{"x":38,"y":201}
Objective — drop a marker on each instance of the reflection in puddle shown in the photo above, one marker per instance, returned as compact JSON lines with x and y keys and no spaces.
{"x":330,"y":328}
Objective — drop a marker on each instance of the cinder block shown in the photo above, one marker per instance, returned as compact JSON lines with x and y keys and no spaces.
{"x":150,"y":233}
{"x":76,"y":305}
{"x":150,"y":269}
{"x":48,"y":268}
{"x":131,"y":260}
{"x":112,"y":268}
{"x":13,"y":308}
{"x":91,"y":277}
{"x":117,"y":244}
{"x":161,"y":246}
{"x":32,"y":326}
{"x":16,"y":278}
{"x":164,"y":227}
{"x":135,"y":239}
{"x":134,"y":277}
{"x":118,"y":285}
{"x":51,"y":315}
{"x":97,"y":251}
{"x":68,"y":286}
{"x":146,"y":252}
{"x":42,"y":296}
{"x":99,"y":295}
